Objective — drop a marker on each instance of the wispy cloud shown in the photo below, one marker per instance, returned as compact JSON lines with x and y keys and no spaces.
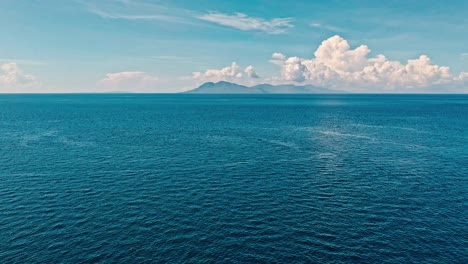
{"x":128,"y":10}
{"x":244,"y":22}
{"x":327,"y":27}
{"x":112,"y":15}
{"x":145,"y":11}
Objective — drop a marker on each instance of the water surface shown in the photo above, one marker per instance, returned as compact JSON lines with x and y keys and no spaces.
{"x":233,"y":178}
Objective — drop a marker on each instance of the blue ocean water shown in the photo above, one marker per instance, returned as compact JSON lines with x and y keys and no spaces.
{"x":233,"y":178}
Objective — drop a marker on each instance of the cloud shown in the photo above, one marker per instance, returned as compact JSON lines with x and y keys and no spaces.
{"x":327,"y":27}
{"x":14,"y":80}
{"x":229,"y":73}
{"x":243,"y":22}
{"x":135,"y":10}
{"x":250,"y":71}
{"x":278,"y":56}
{"x":337,"y":65}
{"x":130,"y":81}
{"x":111,"y":15}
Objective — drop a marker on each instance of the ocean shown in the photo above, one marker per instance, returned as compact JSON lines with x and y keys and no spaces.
{"x":181,"y":178}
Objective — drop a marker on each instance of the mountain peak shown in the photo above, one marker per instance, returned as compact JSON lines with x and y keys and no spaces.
{"x":224,"y":82}
{"x":224,"y":87}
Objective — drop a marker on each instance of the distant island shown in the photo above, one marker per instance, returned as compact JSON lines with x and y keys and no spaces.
{"x":224,"y":87}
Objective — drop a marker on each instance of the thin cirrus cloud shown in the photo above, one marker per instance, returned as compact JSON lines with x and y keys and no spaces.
{"x":135,"y":10}
{"x":327,"y":27}
{"x":14,"y":80}
{"x":122,"y":16}
{"x":125,"y":10}
{"x":110,"y":15}
{"x":246,"y":23}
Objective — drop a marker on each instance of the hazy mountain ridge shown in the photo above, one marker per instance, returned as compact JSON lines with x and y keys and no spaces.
{"x":224,"y":87}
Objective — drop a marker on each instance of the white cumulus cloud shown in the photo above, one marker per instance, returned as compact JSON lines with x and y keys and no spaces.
{"x":244,"y":22}
{"x":337,"y":65}
{"x":131,"y":81}
{"x":13,"y":79}
{"x":250,"y":72}
{"x":231,"y":73}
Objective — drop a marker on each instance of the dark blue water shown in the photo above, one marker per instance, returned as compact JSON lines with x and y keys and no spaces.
{"x":235,"y":179}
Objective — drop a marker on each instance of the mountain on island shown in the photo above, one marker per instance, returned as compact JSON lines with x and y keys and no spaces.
{"x":223,"y":87}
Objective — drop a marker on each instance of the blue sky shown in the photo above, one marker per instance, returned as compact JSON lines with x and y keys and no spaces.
{"x":169,"y":46}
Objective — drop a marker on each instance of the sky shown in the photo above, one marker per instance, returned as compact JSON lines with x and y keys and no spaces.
{"x":161,"y":46}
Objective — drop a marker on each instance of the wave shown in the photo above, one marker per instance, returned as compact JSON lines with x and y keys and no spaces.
{"x":334,"y":133}
{"x":284,"y":144}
